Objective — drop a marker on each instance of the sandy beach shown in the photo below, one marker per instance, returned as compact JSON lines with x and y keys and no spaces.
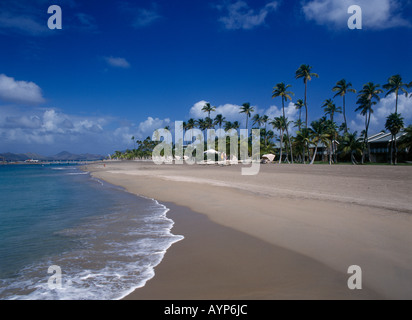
{"x":291,"y":232}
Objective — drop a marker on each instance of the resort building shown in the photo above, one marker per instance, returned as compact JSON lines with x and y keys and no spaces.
{"x":380,"y":146}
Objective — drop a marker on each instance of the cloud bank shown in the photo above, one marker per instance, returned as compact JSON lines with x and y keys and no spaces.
{"x":376,"y":14}
{"x":240,"y":16}
{"x":117,"y":62}
{"x":21,"y":92}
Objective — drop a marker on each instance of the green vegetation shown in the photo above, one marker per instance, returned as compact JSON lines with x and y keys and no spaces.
{"x":324,"y":141}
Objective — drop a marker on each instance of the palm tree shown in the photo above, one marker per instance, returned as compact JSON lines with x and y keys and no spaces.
{"x":265,"y":120}
{"x":279,"y":124}
{"x":202,"y":125}
{"x":134,"y":142}
{"x":395,"y":85}
{"x":304,"y":72}
{"x":342,"y":88}
{"x":236,"y":125}
{"x":281,"y":90}
{"x":209,"y":123}
{"x":394,"y":124}
{"x":366,"y":96}
{"x":299,"y":105}
{"x":191,"y":124}
{"x":219,"y":120}
{"x":351,"y":144}
{"x":248,"y":110}
{"x":319,"y":134}
{"x":208,"y":108}
{"x":228,"y":126}
{"x":303,"y":138}
{"x":257,"y":120}
{"x":330,"y":109}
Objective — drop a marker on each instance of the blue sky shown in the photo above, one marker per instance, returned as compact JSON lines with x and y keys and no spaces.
{"x":124,"y":68}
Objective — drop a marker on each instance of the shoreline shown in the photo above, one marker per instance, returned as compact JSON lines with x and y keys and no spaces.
{"x":333,"y":233}
{"x":199,"y":267}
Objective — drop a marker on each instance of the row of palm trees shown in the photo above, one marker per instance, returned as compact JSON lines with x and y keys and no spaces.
{"x":324,"y":130}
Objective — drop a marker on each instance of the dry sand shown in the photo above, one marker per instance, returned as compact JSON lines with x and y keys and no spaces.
{"x":290,"y":232}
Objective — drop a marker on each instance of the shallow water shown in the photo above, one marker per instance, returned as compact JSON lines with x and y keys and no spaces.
{"x":105,"y":240}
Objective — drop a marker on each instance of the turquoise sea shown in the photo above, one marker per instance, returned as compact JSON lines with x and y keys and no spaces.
{"x":105,"y":240}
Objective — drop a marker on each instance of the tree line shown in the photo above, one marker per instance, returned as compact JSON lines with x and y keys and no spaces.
{"x":338,"y":140}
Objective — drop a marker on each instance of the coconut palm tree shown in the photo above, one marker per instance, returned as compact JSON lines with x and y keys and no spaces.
{"x":281,"y":90}
{"x":305,"y":72}
{"x":208,"y":108}
{"x":265,"y":120}
{"x":248,"y":110}
{"x":202,"y":125}
{"x":236,"y":125}
{"x":319,"y":134}
{"x":351,"y":144}
{"x":342,"y":88}
{"x":395,"y":85}
{"x":191,"y":124}
{"x":228,"y":126}
{"x":209,"y":123}
{"x":257,"y":120}
{"x":279,"y":123}
{"x":299,"y":105}
{"x":367,"y":95}
{"x":219,"y":120}
{"x":394,"y":124}
{"x":330,"y":109}
{"x":303,"y":138}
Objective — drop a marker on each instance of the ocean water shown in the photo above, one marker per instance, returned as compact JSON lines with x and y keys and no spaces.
{"x":105,"y":241}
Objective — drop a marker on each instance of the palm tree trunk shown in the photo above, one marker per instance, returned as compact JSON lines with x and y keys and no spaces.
{"x":344,"y":114}
{"x":367,"y":140}
{"x":314,"y":154}
{"x":281,"y":147}
{"x":306,"y":101}
{"x":396,"y":108}
{"x":287,"y":131}
{"x":396,"y":150}
{"x":330,"y":154}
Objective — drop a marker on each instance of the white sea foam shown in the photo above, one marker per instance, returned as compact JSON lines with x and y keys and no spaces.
{"x":115,"y":254}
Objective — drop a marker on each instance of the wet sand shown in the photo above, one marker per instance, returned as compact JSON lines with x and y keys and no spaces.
{"x":290,"y":232}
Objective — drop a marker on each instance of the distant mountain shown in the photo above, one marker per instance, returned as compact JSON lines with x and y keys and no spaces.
{"x":62,"y":156}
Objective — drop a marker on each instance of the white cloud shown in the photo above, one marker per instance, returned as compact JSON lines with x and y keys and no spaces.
{"x":22,"y":24}
{"x":141,"y":17}
{"x":117,"y":62}
{"x":230,"y":111}
{"x":290,"y":112}
{"x":19,"y":91}
{"x":376,"y":14}
{"x":49,"y":126}
{"x":145,"y":18}
{"x":143,"y":130}
{"x":241,"y":16}
{"x":381,"y":111}
{"x":147,"y":127}
{"x":85,"y":22}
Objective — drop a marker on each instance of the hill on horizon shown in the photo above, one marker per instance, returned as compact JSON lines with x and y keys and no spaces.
{"x":62,"y":156}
